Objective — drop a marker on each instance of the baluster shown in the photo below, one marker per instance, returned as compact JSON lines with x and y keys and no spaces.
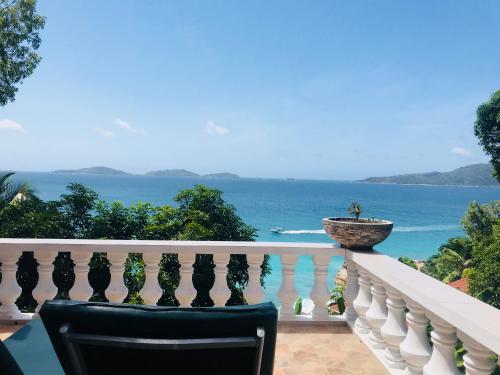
{"x":81,"y":290}
{"x":351,"y":290}
{"x":394,"y":329}
{"x":477,"y":360}
{"x":376,"y":314}
{"x":151,"y":291}
{"x":362,"y":302}
{"x":9,"y":288}
{"x":185,"y":292}
{"x":117,"y":291}
{"x":444,"y":339}
{"x":220,"y":292}
{"x":320,"y":292}
{"x":45,"y":288}
{"x":254,"y":292}
{"x":415,"y":348}
{"x":287,"y":293}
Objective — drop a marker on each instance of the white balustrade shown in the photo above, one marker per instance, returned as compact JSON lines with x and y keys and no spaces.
{"x":351,"y":290}
{"x":444,"y":339}
{"x":45,"y":288}
{"x":377,"y":314}
{"x":254,"y":293}
{"x":478,"y":359}
{"x":378,"y":291}
{"x":415,"y":348}
{"x":320,"y":293}
{"x":117,"y":291}
{"x":9,"y":289}
{"x":151,"y":292}
{"x":362,"y":302}
{"x":394,"y":329}
{"x":81,"y":290}
{"x":220,"y":292}
{"x":185,"y":292}
{"x":287,"y":293}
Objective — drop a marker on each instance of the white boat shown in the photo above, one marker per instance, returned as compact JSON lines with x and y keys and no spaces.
{"x":277,"y":230}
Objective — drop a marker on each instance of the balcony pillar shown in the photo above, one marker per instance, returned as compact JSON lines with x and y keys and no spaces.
{"x":477,"y":360}
{"x":186,"y":292}
{"x":287,"y":293}
{"x":151,"y":291}
{"x":444,"y":339}
{"x":9,"y":288}
{"x":376,"y":314}
{"x":320,"y":292}
{"x":351,"y":290}
{"x":45,"y":288}
{"x":117,"y":291}
{"x":254,"y":293}
{"x":394,"y":329}
{"x":415,"y":348}
{"x":362,"y":302}
{"x":81,"y":290}
{"x":220,"y":292}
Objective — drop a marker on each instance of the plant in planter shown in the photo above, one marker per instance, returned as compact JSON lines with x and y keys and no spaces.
{"x":357,"y":233}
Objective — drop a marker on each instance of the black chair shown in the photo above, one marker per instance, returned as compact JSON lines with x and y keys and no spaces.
{"x":101,"y":338}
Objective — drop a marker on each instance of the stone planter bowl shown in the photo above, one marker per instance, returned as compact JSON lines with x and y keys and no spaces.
{"x":357,"y":235}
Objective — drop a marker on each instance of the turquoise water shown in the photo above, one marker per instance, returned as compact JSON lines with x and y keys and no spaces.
{"x":424,"y":216}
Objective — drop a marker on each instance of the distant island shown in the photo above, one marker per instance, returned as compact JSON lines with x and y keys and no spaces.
{"x":94,"y":170}
{"x":470,"y":175}
{"x":159,"y":173}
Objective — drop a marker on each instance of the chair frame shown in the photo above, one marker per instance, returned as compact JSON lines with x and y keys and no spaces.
{"x":72,"y":341}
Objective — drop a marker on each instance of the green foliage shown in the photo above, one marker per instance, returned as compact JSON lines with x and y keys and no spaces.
{"x":479,"y":219}
{"x":337,"y":298}
{"x":19,"y":40}
{"x":487,"y":129}
{"x":355,"y":210}
{"x":297,"y":306}
{"x":202,"y":214}
{"x":408,"y":261}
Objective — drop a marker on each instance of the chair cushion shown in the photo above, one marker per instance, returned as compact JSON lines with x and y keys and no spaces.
{"x":167,"y":323}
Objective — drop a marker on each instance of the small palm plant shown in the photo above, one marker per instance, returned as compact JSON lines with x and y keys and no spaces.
{"x":10,"y":191}
{"x":355,"y":210}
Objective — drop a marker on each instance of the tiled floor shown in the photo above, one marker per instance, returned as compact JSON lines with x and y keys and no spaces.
{"x":308,"y":350}
{"x":323,"y":350}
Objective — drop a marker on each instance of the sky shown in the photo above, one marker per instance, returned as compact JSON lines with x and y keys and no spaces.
{"x":304,"y":89}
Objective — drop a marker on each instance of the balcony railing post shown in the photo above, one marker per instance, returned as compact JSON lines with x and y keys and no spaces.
{"x":351,"y":290}
{"x":362,"y":302}
{"x":45,"y":288}
{"x":394,"y":329}
{"x":320,"y":293}
{"x":151,"y":291}
{"x":444,"y":339}
{"x":415,"y":348}
{"x":254,"y":293}
{"x":376,"y":315}
{"x":185,"y":292}
{"x":220,"y":292}
{"x":81,"y":290}
{"x":117,"y":291}
{"x":478,"y":359}
{"x":287,"y":293}
{"x":9,"y":288}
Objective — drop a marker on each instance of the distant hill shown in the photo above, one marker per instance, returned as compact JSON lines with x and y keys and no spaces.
{"x":223,"y":175}
{"x":470,"y":175}
{"x":94,"y":170}
{"x":173,"y":173}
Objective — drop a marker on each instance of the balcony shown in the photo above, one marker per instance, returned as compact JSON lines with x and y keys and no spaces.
{"x":384,"y":329}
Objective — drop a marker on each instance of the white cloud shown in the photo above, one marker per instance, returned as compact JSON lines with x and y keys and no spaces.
{"x":460,"y":151}
{"x":126,"y":126}
{"x":6,"y":124}
{"x":212,"y":128}
{"x":104,"y":132}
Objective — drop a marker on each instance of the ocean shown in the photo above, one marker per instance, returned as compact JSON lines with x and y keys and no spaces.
{"x":424,"y":216}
